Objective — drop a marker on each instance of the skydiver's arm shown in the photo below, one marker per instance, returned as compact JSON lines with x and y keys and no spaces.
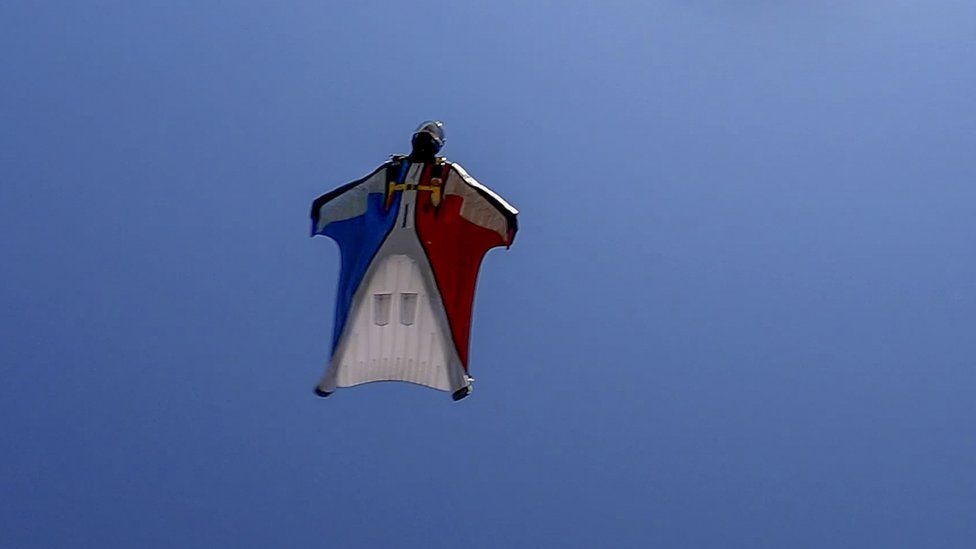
{"x":483,"y":206}
{"x":346,"y":201}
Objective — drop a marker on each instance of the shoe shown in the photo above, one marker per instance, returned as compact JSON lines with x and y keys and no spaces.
{"x":461,"y":393}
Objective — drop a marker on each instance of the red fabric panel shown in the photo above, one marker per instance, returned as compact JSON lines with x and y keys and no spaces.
{"x":455,"y":247}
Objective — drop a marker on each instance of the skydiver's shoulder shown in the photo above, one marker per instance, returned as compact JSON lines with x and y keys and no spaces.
{"x":458,"y":170}
{"x":461,"y":174}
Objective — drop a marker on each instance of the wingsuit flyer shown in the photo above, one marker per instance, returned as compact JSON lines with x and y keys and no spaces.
{"x":411,"y":235}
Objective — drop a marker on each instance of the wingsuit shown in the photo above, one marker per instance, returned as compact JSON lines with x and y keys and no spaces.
{"x":411,"y":235}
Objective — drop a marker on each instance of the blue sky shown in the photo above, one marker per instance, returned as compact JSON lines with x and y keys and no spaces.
{"x":739,"y":312}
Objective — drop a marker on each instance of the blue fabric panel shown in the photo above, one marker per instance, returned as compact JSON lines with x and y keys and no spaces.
{"x":359,"y":239}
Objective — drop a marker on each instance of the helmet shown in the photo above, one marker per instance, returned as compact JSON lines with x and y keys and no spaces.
{"x":435,"y":129}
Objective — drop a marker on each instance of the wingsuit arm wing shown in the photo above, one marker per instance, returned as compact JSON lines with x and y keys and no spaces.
{"x":347,"y":201}
{"x":482,"y":206}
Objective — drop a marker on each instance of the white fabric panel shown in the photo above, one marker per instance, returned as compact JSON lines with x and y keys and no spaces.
{"x":379,"y":345}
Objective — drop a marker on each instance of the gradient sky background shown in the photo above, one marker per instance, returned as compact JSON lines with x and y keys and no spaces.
{"x":740,"y":311}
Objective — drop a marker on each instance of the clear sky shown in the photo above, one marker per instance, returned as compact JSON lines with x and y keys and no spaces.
{"x":740,"y":311}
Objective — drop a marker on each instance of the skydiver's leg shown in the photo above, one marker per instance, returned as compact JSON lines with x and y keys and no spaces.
{"x":464,"y":391}
{"x":327,"y":385}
